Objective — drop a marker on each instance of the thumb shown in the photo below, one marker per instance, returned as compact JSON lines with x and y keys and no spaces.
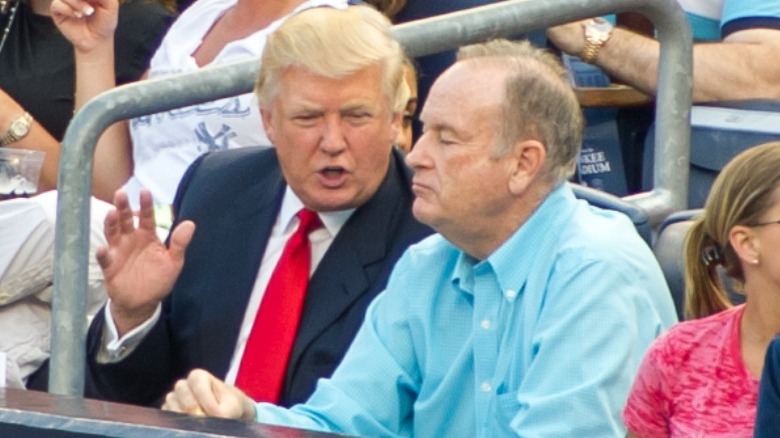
{"x":231,"y":402}
{"x":180,"y":240}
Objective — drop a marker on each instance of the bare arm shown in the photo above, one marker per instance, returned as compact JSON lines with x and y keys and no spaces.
{"x":92,"y":35}
{"x":139,"y":270}
{"x":37,"y":139}
{"x":737,"y":68}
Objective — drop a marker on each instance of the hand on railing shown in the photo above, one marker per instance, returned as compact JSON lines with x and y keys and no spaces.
{"x":203,"y":395}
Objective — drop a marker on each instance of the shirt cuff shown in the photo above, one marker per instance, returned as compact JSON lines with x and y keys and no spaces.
{"x":114,"y":348}
{"x":264,"y":415}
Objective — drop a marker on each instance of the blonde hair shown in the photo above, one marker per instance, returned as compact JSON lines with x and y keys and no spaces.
{"x":333,"y":43}
{"x":739,"y":196}
{"x":540,"y":103}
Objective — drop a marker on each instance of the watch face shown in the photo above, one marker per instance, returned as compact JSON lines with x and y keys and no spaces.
{"x":601,"y":25}
{"x":19,"y":127}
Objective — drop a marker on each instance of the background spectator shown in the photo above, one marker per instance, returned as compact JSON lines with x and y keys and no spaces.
{"x":719,"y":357}
{"x":37,"y":68}
{"x":195,"y":32}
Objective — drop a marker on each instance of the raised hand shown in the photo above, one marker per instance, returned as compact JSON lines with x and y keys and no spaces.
{"x":139,"y":269}
{"x":201,"y":394}
{"x":86,"y":23}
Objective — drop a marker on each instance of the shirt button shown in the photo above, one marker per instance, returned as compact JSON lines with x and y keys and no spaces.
{"x":485,"y":387}
{"x":510,"y":294}
{"x":485,"y":324}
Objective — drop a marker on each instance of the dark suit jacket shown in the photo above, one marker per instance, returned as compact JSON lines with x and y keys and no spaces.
{"x":234,"y":197}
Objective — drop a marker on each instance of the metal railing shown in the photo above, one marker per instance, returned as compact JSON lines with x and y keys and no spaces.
{"x":419,"y":38}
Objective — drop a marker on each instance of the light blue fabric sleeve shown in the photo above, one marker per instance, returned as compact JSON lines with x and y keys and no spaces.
{"x":372,"y":392}
{"x":736,"y":9}
{"x":586,"y":350}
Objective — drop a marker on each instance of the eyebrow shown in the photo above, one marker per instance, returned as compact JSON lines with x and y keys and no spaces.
{"x":357,"y":106}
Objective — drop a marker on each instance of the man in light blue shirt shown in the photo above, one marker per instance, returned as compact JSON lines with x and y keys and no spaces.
{"x":530,"y":312}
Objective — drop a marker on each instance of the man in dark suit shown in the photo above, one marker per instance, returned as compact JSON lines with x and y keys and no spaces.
{"x":331,"y":96}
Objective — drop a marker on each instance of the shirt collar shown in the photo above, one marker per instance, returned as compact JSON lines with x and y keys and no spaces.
{"x":512,"y":261}
{"x":291,"y":205}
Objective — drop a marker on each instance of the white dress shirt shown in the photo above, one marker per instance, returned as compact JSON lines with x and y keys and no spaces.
{"x":115,"y":349}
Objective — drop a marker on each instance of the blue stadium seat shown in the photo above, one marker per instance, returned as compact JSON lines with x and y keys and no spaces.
{"x":718,"y":133}
{"x":638,"y":215}
{"x":669,"y":250}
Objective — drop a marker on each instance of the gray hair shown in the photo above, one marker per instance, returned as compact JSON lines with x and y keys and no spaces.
{"x":540,"y":103}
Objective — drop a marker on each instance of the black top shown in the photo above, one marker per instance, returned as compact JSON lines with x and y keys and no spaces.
{"x":37,"y":66}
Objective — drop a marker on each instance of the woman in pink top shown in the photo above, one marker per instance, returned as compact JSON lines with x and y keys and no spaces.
{"x":700,"y":379}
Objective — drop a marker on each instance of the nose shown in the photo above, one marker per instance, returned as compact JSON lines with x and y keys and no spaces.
{"x":418,"y":157}
{"x":333,"y":139}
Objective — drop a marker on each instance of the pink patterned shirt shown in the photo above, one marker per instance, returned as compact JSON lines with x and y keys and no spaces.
{"x":693,"y":383}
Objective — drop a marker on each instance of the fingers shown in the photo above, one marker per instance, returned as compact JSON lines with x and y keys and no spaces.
{"x":233,"y":403}
{"x":146,"y":214}
{"x":182,"y":400}
{"x":190,"y":395}
{"x":71,"y":8}
{"x":180,"y":240}
{"x":124,"y":212}
{"x":111,"y":226}
{"x":102,"y":256}
{"x":203,"y":394}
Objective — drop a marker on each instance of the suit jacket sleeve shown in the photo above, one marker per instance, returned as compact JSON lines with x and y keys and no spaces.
{"x":134,"y":380}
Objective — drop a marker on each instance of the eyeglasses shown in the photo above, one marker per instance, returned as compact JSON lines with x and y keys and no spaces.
{"x":761,"y":224}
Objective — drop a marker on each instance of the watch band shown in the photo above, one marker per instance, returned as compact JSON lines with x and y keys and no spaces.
{"x":591,"y":50}
{"x":597,"y":32}
{"x":19,"y":128}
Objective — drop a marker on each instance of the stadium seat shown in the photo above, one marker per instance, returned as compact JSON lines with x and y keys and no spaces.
{"x":718,"y":133}
{"x":638,"y":215}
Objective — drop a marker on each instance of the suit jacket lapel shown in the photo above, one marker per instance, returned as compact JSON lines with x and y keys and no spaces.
{"x":341,"y":277}
{"x":244,"y":237}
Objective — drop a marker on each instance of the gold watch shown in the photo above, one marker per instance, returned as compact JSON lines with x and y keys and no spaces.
{"x":597,"y":33}
{"x":18,"y":129}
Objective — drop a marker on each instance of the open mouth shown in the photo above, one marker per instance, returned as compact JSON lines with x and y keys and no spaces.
{"x":333,"y":176}
{"x":332,"y":172}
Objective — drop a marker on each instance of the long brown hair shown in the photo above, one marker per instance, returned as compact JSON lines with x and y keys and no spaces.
{"x":740,"y":195}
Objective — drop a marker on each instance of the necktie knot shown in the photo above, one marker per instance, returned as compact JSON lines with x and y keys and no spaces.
{"x":310,"y":221}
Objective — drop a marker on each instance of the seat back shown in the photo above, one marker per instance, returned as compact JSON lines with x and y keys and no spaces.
{"x":718,"y":133}
{"x":669,"y":249}
{"x":638,"y":215}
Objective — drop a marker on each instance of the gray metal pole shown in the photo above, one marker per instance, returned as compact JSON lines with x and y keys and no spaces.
{"x":420,"y":38}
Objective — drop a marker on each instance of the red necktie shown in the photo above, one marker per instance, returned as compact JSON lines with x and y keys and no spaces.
{"x":264,"y":364}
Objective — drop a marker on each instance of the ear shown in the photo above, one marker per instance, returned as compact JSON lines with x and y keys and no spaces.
{"x":266,"y":115}
{"x":745,"y":243}
{"x":527,"y":159}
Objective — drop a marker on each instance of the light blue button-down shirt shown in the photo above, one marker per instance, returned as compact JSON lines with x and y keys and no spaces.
{"x":541,"y":339}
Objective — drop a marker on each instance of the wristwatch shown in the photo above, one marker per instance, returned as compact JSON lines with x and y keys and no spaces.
{"x":18,"y":129}
{"x":597,"y":33}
